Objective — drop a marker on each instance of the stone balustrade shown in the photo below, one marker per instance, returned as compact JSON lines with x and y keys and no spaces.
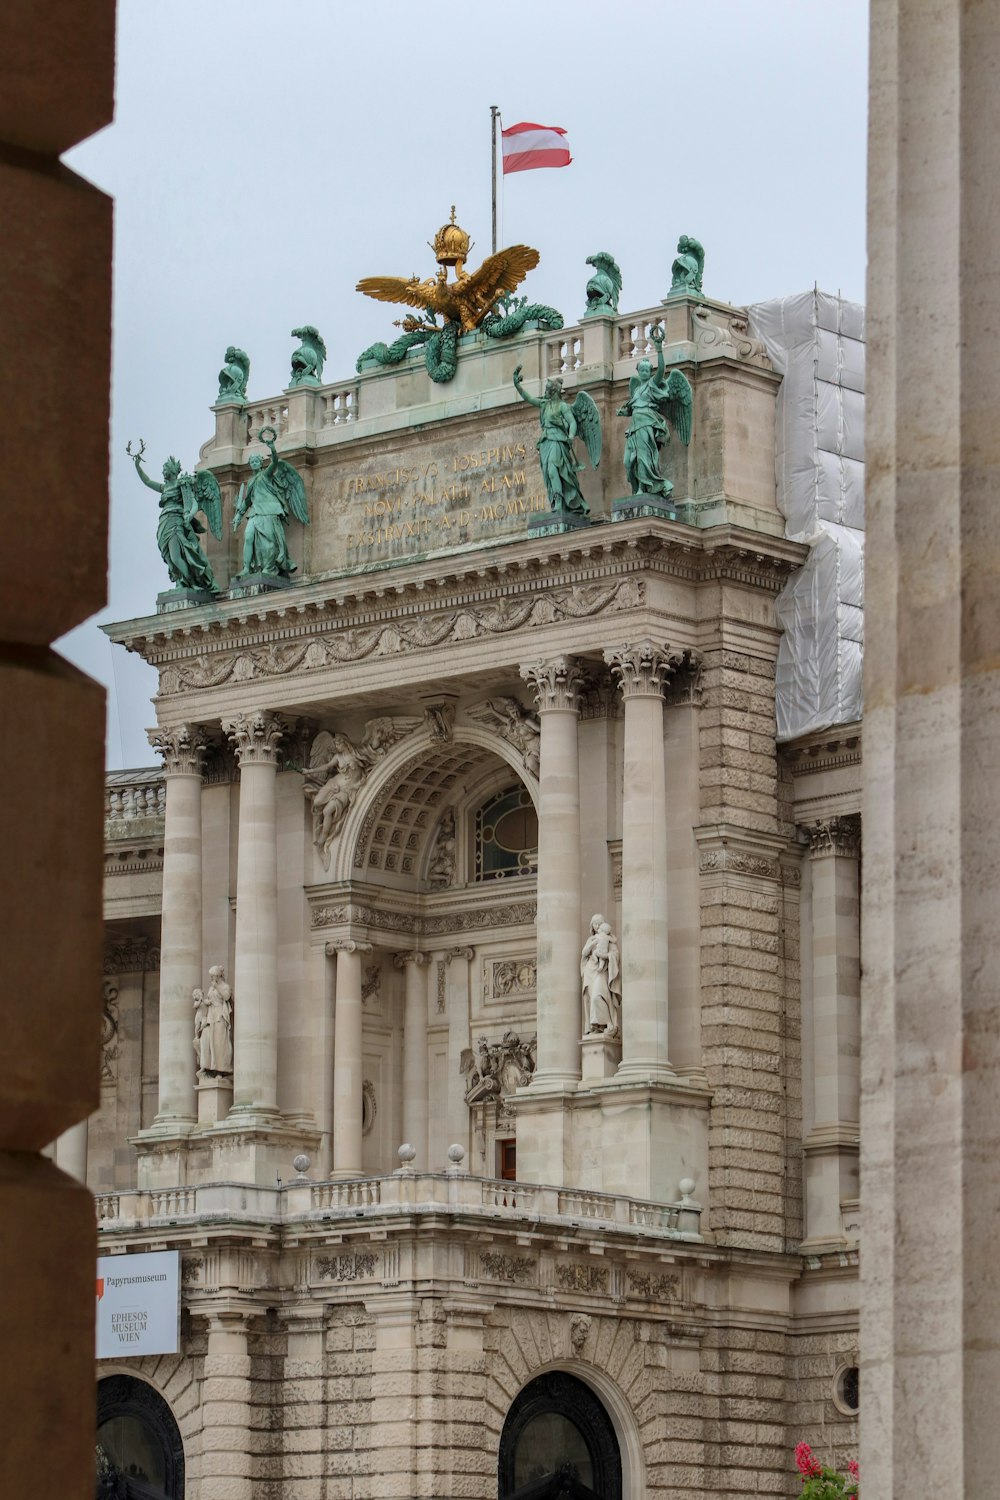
{"x":134,"y":802}
{"x":452,"y":1193}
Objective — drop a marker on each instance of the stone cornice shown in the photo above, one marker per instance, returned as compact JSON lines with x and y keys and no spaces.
{"x":555,"y":578}
{"x":826,"y":750}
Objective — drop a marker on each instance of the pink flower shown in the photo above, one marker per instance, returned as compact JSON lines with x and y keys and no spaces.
{"x":853,"y":1468}
{"x":806,"y":1461}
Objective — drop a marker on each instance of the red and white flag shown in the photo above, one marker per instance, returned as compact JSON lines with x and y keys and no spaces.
{"x":526,"y":146}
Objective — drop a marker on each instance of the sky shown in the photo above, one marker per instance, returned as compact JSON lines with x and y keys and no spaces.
{"x":264,"y":158}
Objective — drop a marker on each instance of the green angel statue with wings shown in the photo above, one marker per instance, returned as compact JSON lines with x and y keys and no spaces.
{"x":273,"y":492}
{"x":182,"y":496}
{"x":561,"y":425}
{"x":651,"y":402}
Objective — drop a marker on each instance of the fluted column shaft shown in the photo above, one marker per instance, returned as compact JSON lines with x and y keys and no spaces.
{"x":182,"y":749}
{"x":256,"y":739}
{"x":641,"y":670}
{"x":415,"y":1100}
{"x":348,"y":1078}
{"x":559,"y":920}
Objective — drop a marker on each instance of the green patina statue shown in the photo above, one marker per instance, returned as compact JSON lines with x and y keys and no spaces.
{"x":688,"y":266}
{"x":604,"y":287}
{"x":561,"y":425}
{"x":266,"y":500}
{"x":182,"y":496}
{"x":652,"y":399}
{"x":233,"y":377}
{"x":307,"y":361}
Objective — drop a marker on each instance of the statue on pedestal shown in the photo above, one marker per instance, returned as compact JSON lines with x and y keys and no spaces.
{"x":213,"y":1026}
{"x":233,"y":377}
{"x":182,"y":496}
{"x":268,"y":497}
{"x":688,"y":267}
{"x":652,"y":399}
{"x":604,"y":287}
{"x":600,"y":970}
{"x":308,"y":359}
{"x":561,"y":425}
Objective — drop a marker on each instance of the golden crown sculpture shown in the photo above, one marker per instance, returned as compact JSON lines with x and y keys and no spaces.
{"x":451,"y":244}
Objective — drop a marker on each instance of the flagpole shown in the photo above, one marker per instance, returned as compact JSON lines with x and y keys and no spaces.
{"x":494,"y":115}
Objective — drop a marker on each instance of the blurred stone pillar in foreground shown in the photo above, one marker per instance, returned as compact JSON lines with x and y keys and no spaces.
{"x":56,"y":88}
{"x":930,"y":1123}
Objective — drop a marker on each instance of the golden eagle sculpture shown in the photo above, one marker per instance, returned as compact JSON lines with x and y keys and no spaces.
{"x":481,"y":300}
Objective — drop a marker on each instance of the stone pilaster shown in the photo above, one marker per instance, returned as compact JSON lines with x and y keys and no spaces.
{"x":555,"y":684}
{"x":226,"y":1459}
{"x":641,"y":670}
{"x":831,"y":1144}
{"x":930,"y":1195}
{"x":415,"y":1099}
{"x":182,"y":749}
{"x":256,"y":738}
{"x":348,"y":1080}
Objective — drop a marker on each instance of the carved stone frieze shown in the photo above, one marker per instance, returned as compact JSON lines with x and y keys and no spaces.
{"x":512,"y":1268}
{"x":131,"y":956}
{"x":256,"y":737}
{"x":738,"y":862}
{"x":835,"y":836}
{"x":510,"y":978}
{"x":355,"y":1267}
{"x":182,"y":748}
{"x":109,"y":1033}
{"x":574,"y":1277}
{"x":515,"y":914}
{"x":580,"y":601}
{"x":642,"y":668}
{"x":664,"y":1288}
{"x":555,"y":682}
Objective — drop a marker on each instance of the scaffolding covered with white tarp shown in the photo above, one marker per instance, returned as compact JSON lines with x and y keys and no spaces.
{"x":817,"y":342}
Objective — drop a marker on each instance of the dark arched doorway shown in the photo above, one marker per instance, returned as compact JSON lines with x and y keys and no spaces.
{"x":558,"y":1440}
{"x":140,"y":1455}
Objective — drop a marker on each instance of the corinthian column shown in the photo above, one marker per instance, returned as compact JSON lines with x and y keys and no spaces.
{"x":555,"y":684}
{"x":415,"y":1101}
{"x":348,"y":1080}
{"x":256,"y":738}
{"x":831,"y":1145}
{"x":182,"y":749}
{"x":641,"y":670}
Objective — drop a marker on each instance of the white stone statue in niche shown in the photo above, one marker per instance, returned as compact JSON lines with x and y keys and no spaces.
{"x":600,"y":970}
{"x":213,"y":1026}
{"x":441,"y":870}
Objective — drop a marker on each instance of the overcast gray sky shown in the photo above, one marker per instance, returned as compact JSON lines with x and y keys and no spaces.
{"x":264,"y":157}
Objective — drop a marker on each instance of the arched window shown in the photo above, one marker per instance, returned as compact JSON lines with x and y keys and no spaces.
{"x":558,"y":1441}
{"x":506,"y":835}
{"x":140,"y":1455}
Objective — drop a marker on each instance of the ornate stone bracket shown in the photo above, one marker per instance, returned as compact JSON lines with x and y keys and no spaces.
{"x":835,"y":836}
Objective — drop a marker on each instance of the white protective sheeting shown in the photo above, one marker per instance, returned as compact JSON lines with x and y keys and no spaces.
{"x":817,"y":342}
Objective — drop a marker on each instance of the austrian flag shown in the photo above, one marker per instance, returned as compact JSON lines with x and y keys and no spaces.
{"x":526,"y":146}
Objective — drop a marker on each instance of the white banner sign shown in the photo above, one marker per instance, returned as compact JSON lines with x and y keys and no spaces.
{"x":138,"y":1304}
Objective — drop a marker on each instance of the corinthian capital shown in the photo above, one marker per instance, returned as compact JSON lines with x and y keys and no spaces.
{"x":256,"y":737}
{"x":643,"y":667}
{"x":835,"y":836}
{"x":555,"y":683}
{"x":182,"y":748}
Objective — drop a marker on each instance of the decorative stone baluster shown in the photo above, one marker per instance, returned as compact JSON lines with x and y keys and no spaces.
{"x":348,"y":1080}
{"x":556,"y":684}
{"x":641,"y":670}
{"x":182,"y":748}
{"x":415,"y":1100}
{"x":831,"y":1146}
{"x":256,"y":738}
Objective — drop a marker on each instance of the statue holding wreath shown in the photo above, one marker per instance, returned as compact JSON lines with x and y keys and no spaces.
{"x":273,"y":492}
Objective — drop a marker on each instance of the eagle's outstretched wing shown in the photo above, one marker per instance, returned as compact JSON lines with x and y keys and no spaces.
{"x":503,"y":272}
{"x":677,"y":404}
{"x":409,"y":290}
{"x":588,"y":422}
{"x":209,"y":496}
